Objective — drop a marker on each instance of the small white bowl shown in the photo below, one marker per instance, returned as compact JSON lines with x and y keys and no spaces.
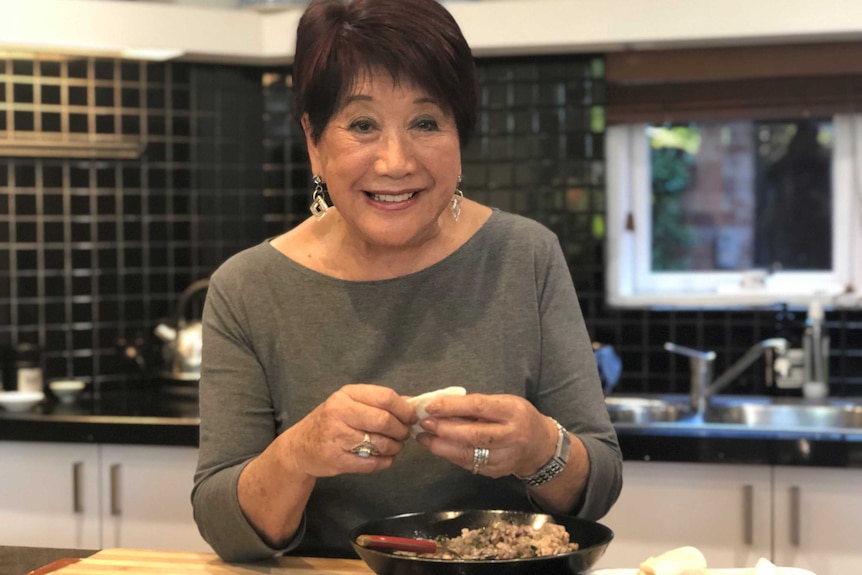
{"x":67,"y":390}
{"x":20,"y":400}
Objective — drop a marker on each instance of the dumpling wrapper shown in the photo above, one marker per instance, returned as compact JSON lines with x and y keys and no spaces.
{"x":680,"y":561}
{"x":765,"y":567}
{"x":420,"y":402}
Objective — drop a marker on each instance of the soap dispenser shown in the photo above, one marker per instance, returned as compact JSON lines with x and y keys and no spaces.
{"x":815,"y":345}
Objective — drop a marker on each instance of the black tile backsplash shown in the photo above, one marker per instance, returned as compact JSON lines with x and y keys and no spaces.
{"x":97,"y":250}
{"x":92,"y":251}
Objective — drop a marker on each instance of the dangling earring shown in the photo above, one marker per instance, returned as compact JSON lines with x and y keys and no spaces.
{"x":456,"y":201}
{"x":318,"y":205}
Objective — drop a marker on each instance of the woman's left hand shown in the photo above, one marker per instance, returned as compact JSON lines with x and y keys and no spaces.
{"x":518,"y":437}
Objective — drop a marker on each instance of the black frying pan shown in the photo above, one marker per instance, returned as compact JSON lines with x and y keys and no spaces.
{"x":592,"y":538}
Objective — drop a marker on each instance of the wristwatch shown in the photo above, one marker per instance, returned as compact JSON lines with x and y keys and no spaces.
{"x":556,"y":464}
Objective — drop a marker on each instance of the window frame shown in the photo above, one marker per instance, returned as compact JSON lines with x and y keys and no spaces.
{"x":631,"y":283}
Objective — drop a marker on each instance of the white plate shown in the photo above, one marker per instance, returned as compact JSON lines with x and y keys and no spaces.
{"x":20,"y":400}
{"x":744,"y":571}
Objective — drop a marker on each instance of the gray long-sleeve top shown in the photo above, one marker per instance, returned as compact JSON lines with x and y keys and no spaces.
{"x":499,"y":315}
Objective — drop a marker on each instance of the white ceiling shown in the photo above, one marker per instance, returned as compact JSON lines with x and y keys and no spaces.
{"x":215,"y":30}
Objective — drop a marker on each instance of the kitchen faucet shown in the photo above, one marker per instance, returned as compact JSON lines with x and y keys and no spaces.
{"x":702,"y":384}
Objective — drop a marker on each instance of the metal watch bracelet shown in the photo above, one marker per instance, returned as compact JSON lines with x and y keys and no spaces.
{"x":555,"y":465}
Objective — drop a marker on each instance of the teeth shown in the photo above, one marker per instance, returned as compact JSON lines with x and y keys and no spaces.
{"x":392,"y":198}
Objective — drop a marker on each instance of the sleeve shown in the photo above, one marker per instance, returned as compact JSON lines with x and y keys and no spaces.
{"x":236,"y":423}
{"x":569,"y":389}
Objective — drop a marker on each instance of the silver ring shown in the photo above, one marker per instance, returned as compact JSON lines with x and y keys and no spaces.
{"x":365,"y":449}
{"x":480,"y":458}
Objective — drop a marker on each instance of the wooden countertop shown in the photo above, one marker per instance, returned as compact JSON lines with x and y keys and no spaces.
{"x":185,"y":563}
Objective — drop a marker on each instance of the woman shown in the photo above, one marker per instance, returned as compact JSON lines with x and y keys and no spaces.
{"x":395,"y":286}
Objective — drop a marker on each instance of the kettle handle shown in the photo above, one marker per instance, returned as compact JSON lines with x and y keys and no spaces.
{"x":187,"y":294}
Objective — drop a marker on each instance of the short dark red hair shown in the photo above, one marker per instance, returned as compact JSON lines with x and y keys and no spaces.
{"x":414,"y":40}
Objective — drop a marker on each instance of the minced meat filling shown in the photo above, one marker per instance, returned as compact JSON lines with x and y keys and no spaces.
{"x":506,"y":540}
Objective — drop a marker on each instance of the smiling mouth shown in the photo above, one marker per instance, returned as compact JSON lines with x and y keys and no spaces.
{"x":391,"y":198}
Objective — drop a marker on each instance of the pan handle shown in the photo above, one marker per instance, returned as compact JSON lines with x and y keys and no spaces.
{"x":397,"y":543}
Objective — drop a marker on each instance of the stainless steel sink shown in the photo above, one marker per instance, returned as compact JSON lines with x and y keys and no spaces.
{"x":786,"y":414}
{"x":644,"y":410}
{"x":750,"y":412}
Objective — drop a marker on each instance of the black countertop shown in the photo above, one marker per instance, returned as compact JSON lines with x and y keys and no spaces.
{"x":144,"y":417}
{"x":153,"y":417}
{"x":707,"y":444}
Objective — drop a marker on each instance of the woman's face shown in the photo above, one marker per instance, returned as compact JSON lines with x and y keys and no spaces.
{"x":390,"y":158}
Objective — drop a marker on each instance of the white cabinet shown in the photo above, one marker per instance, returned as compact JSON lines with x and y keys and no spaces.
{"x":722,"y":509}
{"x":818,"y":519}
{"x":147,"y":502}
{"x":49,"y":495}
{"x":807,"y":517}
{"x":86,"y":496}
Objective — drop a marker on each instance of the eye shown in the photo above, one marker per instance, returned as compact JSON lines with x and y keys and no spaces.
{"x":362,"y":125}
{"x":427,"y":124}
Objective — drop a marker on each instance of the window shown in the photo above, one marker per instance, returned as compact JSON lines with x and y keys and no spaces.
{"x":735,"y":213}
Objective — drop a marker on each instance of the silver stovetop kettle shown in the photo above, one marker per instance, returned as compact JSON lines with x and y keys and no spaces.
{"x":182,"y":341}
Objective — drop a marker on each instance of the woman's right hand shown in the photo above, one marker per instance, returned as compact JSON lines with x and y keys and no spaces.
{"x":320,"y":444}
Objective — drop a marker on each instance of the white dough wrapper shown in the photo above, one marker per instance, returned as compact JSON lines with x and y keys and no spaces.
{"x":419,"y":403}
{"x":680,"y":561}
{"x":765,"y":567}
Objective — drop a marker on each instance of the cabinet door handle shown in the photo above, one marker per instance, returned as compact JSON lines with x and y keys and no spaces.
{"x":748,"y":514}
{"x":77,"y":500}
{"x":795,"y":516}
{"x":115,"y":490}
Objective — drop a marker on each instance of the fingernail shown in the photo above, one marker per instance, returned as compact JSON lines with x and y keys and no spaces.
{"x":429,"y":425}
{"x":424,"y":439}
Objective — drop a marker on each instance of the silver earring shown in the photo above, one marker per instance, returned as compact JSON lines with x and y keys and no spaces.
{"x":318,"y":205}
{"x":456,"y":201}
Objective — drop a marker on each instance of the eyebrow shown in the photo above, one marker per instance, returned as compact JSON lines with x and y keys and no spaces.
{"x":367,"y":98}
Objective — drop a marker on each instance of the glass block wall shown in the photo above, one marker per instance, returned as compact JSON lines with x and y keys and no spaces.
{"x":96,"y":250}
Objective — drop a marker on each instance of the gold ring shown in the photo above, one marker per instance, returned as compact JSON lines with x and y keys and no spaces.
{"x":365,"y":449}
{"x":480,"y":458}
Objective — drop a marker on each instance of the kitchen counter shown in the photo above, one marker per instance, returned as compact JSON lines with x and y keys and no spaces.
{"x":774,"y":437}
{"x":142,"y":417}
{"x":738,"y":444}
{"x":152,"y":417}
{"x":182,"y":563}
{"x":19,"y":560}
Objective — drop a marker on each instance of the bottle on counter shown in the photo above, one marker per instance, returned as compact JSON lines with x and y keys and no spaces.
{"x":29,"y":368}
{"x":815,"y":346}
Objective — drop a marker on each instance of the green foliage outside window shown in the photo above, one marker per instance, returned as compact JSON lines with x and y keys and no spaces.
{"x":672,"y":169}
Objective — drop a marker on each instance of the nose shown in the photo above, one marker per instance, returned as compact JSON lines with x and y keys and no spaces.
{"x":395,"y":156}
